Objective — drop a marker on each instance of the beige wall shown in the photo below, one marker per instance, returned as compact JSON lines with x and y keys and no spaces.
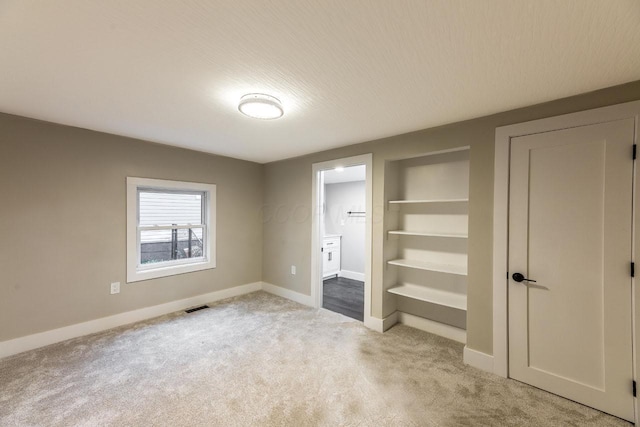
{"x":287,"y":197}
{"x":62,"y":216}
{"x":62,"y":224}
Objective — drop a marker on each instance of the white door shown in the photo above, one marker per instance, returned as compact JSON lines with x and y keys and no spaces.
{"x":570,"y":230}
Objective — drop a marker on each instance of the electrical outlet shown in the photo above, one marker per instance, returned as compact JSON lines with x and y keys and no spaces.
{"x":115,"y":288}
{"x":293,"y":270}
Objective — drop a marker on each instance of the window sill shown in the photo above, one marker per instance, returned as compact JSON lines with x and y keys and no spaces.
{"x":155,"y":273}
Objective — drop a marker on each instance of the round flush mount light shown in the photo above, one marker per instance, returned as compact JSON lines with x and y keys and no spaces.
{"x":260,"y":106}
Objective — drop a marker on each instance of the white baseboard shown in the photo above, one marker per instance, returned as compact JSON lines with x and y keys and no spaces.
{"x":30,"y":342}
{"x":389,"y":321}
{"x":433,"y":327}
{"x":381,"y":325}
{"x":378,"y":325}
{"x":477,"y":359}
{"x":351,"y":275}
{"x":288,"y":294}
{"x":374,"y":323}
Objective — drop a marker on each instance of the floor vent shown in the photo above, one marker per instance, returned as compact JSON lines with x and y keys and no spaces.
{"x":191,"y":310}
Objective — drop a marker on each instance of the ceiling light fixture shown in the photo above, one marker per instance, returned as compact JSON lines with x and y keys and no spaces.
{"x":260,"y":106}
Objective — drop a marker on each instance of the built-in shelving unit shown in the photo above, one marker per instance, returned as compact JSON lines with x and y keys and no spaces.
{"x":428,"y":201}
{"x":434,"y":296}
{"x":428,"y":234}
{"x":460,"y":270}
{"x":427,"y":227}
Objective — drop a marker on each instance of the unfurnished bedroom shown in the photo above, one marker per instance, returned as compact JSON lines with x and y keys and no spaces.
{"x":319,"y":213}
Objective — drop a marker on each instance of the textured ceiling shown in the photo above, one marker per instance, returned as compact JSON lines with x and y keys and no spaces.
{"x":172,"y":71}
{"x":348,"y":174}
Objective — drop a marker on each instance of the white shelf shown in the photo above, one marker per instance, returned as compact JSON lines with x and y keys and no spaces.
{"x":434,"y":296}
{"x":429,"y":201}
{"x":460,"y":270}
{"x":428,"y":234}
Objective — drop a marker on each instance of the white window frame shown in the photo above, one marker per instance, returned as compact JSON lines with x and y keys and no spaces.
{"x":135,"y":270}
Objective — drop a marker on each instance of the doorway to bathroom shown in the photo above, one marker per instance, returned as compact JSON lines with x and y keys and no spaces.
{"x":344,"y":217}
{"x":342,"y":236}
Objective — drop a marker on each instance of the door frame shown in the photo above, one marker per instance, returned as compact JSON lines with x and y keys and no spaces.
{"x":317,"y":228}
{"x":503,"y":137}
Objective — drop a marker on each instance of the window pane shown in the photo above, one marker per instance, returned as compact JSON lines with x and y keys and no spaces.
{"x":167,"y":245}
{"x":170,"y":208}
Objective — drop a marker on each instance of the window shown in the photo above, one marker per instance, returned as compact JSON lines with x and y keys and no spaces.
{"x":170,"y":228}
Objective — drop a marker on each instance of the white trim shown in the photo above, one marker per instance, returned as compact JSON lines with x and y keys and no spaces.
{"x":433,"y":327}
{"x":288,"y":294}
{"x":501,"y":207}
{"x":134,"y":272}
{"x":351,"y":275}
{"x":381,"y":325}
{"x":477,"y":359}
{"x":170,"y":227}
{"x":389,"y":321}
{"x":500,"y":240}
{"x":30,"y":342}
{"x":635,"y":297}
{"x":316,"y":227}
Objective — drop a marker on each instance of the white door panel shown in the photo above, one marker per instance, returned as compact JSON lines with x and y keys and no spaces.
{"x":570,"y":220}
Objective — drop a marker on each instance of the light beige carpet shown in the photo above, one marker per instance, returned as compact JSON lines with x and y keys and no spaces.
{"x":266,"y":361}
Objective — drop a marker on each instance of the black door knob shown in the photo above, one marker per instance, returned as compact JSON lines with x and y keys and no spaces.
{"x":518,"y":277}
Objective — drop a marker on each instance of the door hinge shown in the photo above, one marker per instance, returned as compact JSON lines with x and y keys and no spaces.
{"x":634,"y":151}
{"x":633,"y":269}
{"x":321,"y":249}
{"x":634,"y":388}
